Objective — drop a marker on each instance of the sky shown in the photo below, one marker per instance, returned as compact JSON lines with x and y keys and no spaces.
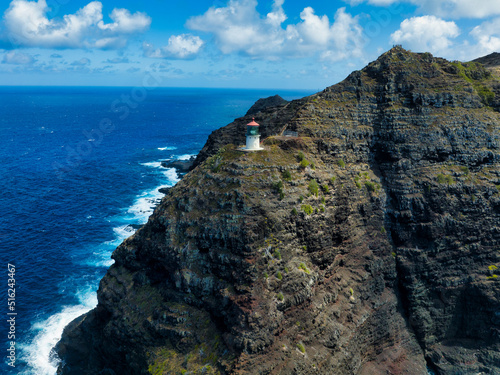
{"x":282,"y":44}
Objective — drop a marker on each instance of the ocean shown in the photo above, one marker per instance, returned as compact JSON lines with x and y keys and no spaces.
{"x":80,"y":169}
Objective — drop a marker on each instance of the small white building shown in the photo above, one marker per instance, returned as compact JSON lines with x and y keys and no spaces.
{"x":253,"y":137}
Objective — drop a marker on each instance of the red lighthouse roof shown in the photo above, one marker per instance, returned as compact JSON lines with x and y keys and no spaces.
{"x":253,"y":123}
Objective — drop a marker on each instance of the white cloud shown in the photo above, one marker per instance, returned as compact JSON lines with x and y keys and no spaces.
{"x":18,"y":58}
{"x":182,"y":46}
{"x":426,"y":33}
{"x":238,"y":27}
{"x":487,"y":36}
{"x":445,"y":8}
{"x":27,"y":25}
{"x":82,"y":62}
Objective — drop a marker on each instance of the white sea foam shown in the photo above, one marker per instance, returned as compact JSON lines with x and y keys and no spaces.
{"x":185,"y":157}
{"x":170,"y":148}
{"x":38,"y":355}
{"x":153,"y":164}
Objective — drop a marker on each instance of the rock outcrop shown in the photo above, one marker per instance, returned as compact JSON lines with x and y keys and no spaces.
{"x":369,"y":244}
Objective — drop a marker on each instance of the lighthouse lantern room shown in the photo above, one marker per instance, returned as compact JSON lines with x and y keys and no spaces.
{"x":253,"y":137}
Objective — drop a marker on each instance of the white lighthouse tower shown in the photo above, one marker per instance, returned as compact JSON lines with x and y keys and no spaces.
{"x":253,"y":137}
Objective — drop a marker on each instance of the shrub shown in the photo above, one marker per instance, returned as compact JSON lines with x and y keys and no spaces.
{"x":294,"y":212}
{"x":323,"y":200}
{"x":441,"y":179}
{"x":383,"y":231}
{"x":266,"y":275}
{"x":304,"y":163}
{"x":341,"y":163}
{"x":307,"y":209}
{"x":301,"y":199}
{"x":314,"y":187}
{"x":280,"y":296}
{"x":287,"y":175}
{"x":300,"y":156}
{"x":325,"y":188}
{"x":286,"y":269}
{"x":492,"y":267}
{"x":322,"y":208}
{"x":372,"y":186}
{"x":278,"y":186}
{"x":277,"y":254}
{"x":301,"y":347}
{"x":279,"y":276}
{"x":304,"y":268}
{"x":332,"y":180}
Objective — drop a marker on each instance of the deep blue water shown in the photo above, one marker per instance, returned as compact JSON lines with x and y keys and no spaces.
{"x":77,"y":166}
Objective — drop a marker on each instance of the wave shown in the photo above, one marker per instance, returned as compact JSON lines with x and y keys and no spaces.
{"x":185,"y":157}
{"x":38,"y":353}
{"x":168,"y":148}
{"x":153,"y":164}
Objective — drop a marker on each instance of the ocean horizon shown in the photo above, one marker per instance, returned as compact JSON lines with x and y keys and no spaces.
{"x":81,"y":168}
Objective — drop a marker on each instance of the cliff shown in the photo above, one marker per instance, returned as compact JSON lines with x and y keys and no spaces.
{"x":367,"y":245}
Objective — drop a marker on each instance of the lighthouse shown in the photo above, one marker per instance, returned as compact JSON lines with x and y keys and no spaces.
{"x":253,"y":137}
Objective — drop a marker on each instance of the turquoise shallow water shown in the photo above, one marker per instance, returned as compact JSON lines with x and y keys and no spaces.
{"x":79,"y":166}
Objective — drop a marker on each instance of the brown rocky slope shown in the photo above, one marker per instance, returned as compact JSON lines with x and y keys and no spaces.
{"x":367,"y":245}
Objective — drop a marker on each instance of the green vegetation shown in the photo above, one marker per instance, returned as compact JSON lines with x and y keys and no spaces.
{"x":325,"y":188}
{"x":279,"y":188}
{"x":286,"y":269}
{"x":307,"y":209}
{"x":351,"y":291}
{"x":304,"y":268}
{"x":294,"y":212}
{"x":332,"y":180}
{"x":341,"y":163}
{"x":441,"y":179}
{"x":383,"y":231}
{"x":280,"y":296}
{"x":266,"y":276}
{"x":314,"y":187}
{"x":492,"y":267}
{"x":372,"y":187}
{"x":475,"y":74}
{"x":279,"y":275}
{"x":304,"y":248}
{"x":301,"y":199}
{"x":286,"y":175}
{"x":304,"y":163}
{"x":322,"y":208}
{"x":301,"y":347}
{"x":277,"y":254}
{"x":300,"y":156}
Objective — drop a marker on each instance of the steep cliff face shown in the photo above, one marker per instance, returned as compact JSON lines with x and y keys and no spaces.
{"x":367,"y":245}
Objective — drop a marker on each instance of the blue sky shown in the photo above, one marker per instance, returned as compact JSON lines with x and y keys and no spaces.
{"x":307,"y":44}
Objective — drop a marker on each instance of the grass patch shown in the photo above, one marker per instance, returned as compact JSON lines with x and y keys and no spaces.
{"x":301,"y":347}
{"x":341,"y":163}
{"x":307,"y":209}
